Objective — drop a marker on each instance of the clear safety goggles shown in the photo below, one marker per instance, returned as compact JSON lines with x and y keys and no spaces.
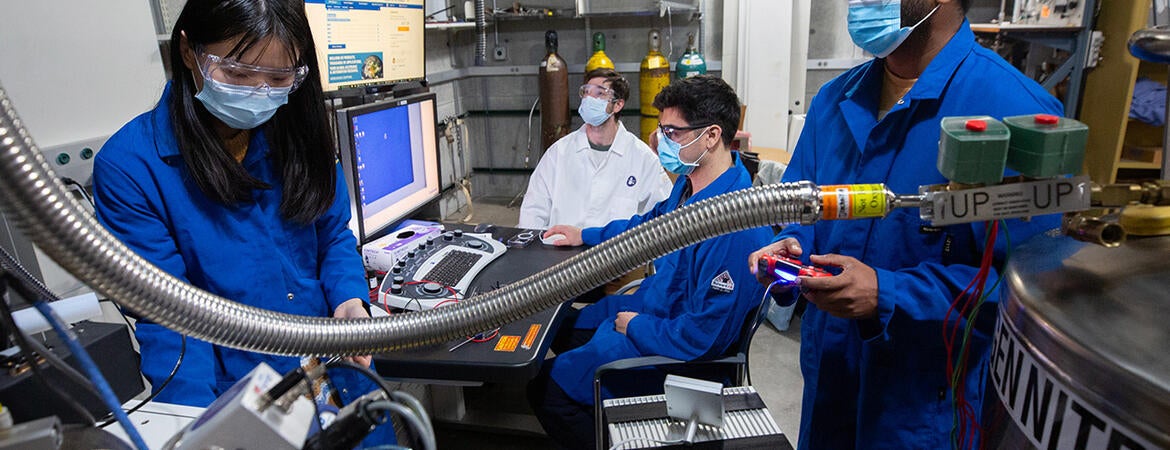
{"x":671,"y":132}
{"x":250,"y":78}
{"x":596,"y":91}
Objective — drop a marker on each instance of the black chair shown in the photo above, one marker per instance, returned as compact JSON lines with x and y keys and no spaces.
{"x":737,"y":356}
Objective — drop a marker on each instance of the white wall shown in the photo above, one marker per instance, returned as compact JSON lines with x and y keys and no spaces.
{"x":79,"y":70}
{"x":76,"y":72}
{"x":770,"y":47}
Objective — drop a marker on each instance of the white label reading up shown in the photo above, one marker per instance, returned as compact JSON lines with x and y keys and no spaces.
{"x":1011,"y":200}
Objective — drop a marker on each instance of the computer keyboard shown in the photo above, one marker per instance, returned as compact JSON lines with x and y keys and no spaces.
{"x":438,"y":270}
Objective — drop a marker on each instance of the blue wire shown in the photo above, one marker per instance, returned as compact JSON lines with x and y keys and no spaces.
{"x":95,"y":375}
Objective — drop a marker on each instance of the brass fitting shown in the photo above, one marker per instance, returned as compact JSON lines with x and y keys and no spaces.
{"x":1093,"y":230}
{"x":1156,"y":193}
{"x":1115,"y":195}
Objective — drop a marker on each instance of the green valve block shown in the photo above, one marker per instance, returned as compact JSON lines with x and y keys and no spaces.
{"x":1044,"y":145}
{"x":973,"y":150}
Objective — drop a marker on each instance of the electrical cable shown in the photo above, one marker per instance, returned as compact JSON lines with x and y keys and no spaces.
{"x":94,"y":373}
{"x":669,"y":34}
{"x":120,"y":313}
{"x":414,"y":404}
{"x":149,"y":398}
{"x":412,"y":420}
{"x":81,"y":189}
{"x":965,"y":425}
{"x":465,"y":185}
{"x":528,"y":148}
{"x":531,"y":112}
{"x":10,"y":265}
{"x":390,"y":392}
{"x":61,"y":365}
{"x":26,"y":351}
{"x":761,"y":315}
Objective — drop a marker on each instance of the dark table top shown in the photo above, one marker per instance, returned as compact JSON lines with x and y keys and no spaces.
{"x":504,"y":358}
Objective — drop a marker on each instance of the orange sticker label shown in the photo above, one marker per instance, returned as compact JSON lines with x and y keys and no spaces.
{"x":530,"y":338}
{"x":507,"y":343}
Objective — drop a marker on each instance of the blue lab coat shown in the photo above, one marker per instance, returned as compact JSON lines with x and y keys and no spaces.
{"x":247,"y":253}
{"x":686,"y":310}
{"x":889,"y":390}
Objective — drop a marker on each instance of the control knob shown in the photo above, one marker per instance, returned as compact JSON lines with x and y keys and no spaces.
{"x":396,"y":289}
{"x":432,"y":288}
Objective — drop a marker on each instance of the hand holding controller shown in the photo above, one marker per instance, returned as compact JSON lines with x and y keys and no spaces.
{"x":785,"y":269}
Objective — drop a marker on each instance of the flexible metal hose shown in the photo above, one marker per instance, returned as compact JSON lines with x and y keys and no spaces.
{"x":69,"y":234}
{"x":480,"y":33}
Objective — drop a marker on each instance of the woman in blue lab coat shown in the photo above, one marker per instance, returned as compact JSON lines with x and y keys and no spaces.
{"x":231,"y":184}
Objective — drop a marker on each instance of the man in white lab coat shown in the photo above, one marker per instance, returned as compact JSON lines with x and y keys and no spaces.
{"x":599,"y":173}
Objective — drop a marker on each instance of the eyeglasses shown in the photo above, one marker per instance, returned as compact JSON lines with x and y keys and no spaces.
{"x":594,"y":90}
{"x":269,"y":80}
{"x":670,"y":131}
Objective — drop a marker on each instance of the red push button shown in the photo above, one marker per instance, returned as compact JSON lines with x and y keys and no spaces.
{"x":977,"y":125}
{"x":1047,"y":119}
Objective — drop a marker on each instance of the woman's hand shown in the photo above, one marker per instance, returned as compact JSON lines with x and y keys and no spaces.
{"x":354,"y":308}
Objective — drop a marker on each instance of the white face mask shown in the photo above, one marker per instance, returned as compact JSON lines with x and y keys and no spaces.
{"x":593,"y":110}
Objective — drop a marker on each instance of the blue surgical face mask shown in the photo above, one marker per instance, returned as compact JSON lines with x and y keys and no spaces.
{"x":668,"y":154}
{"x":592,"y":110}
{"x":241,"y":107}
{"x":876,"y":25}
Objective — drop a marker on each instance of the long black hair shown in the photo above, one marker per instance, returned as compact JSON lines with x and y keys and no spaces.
{"x":298,"y":134}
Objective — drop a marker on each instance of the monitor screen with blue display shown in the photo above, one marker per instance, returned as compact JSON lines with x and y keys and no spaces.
{"x":390,"y":157}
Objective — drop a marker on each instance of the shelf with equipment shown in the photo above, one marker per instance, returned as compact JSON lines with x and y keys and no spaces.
{"x":1078,"y":41}
{"x":1120,"y":147}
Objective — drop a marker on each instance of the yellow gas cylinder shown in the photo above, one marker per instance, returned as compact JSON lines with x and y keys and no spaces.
{"x":599,"y":59}
{"x":652,"y":77}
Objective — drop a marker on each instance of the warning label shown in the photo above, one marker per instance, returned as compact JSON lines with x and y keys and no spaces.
{"x":507,"y":343}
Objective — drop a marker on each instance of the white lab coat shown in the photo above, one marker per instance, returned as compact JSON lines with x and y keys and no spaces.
{"x":566,"y":188}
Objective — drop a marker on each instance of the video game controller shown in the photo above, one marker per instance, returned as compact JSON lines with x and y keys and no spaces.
{"x":785,"y":269}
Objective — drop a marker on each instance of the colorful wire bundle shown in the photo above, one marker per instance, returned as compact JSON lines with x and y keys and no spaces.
{"x":965,"y":430}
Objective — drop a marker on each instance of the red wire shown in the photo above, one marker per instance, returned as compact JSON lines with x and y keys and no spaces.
{"x":965,"y":301}
{"x":444,"y":302}
{"x":495,"y":332}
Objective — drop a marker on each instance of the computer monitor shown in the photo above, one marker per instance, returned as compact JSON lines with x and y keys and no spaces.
{"x":390,"y":156}
{"x":367,"y":43}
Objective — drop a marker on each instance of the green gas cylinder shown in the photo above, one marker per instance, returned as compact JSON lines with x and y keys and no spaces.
{"x":599,"y":59}
{"x":691,"y":63}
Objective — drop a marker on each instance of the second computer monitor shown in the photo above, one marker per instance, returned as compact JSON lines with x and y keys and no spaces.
{"x":390,"y":156}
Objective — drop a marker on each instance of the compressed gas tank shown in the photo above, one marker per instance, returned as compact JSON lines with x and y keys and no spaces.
{"x":1080,"y":356}
{"x":554,"y":93}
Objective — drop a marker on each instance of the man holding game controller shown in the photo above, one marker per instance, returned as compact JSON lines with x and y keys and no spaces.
{"x":872,"y":350}
{"x":694,"y":305}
